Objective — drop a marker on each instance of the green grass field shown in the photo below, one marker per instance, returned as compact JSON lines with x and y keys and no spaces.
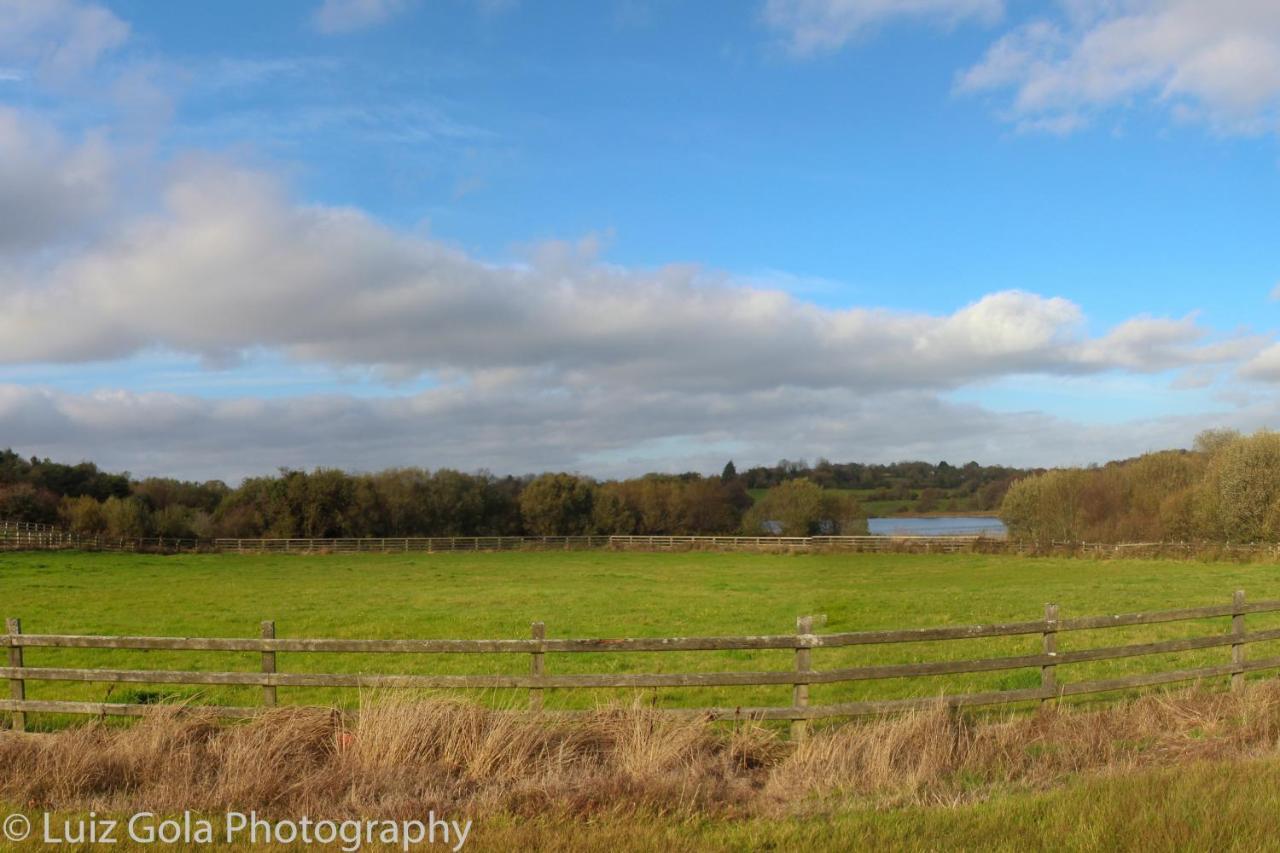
{"x":1212,"y":805}
{"x":600,"y":594}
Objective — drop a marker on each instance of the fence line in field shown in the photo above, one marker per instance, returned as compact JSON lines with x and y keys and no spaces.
{"x":659,"y":543}
{"x":25,"y":536}
{"x":538,"y":647}
{"x":7,"y":527}
{"x":16,"y":536}
{"x":21,"y":536}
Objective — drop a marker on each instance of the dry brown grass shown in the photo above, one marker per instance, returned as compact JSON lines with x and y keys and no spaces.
{"x":400,"y":757}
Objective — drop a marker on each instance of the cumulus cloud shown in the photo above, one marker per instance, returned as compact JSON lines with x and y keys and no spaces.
{"x":1149,"y":344}
{"x":49,"y":187}
{"x":343,"y":16}
{"x":1218,"y":61}
{"x":60,"y":38}
{"x":231,"y":264}
{"x":817,"y":26}
{"x":1264,"y":367}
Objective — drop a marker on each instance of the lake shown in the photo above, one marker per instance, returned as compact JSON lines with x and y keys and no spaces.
{"x":942,"y":525}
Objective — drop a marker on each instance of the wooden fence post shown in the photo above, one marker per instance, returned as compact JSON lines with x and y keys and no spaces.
{"x":538,"y":630}
{"x":1049,"y":674}
{"x":800,"y":692}
{"x":1237,"y":649}
{"x":17,"y":686}
{"x":269,"y":664}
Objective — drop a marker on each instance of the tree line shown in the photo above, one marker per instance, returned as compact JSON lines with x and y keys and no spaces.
{"x":328,"y":502}
{"x":922,"y":486}
{"x":1225,"y":489}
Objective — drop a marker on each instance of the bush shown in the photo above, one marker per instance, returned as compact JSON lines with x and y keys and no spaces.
{"x":803,"y":508}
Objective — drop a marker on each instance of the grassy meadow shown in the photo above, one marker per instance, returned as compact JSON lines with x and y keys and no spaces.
{"x":1190,"y":771}
{"x":601,"y":594}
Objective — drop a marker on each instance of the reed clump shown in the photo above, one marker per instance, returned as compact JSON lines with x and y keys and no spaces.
{"x":399,"y":757}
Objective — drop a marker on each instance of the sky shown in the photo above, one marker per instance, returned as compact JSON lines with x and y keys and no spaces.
{"x":622,"y":236}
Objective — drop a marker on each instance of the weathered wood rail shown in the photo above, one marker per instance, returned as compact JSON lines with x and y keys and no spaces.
{"x":18,"y":536}
{"x":937,"y":544}
{"x":805,"y":644}
{"x":12,"y":528}
{"x":21,"y":536}
{"x":28,"y":536}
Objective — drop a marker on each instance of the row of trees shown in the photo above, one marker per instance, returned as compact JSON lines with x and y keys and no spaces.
{"x":1226,"y":489}
{"x":960,"y":488}
{"x":416,"y":502}
{"x":32,"y":489}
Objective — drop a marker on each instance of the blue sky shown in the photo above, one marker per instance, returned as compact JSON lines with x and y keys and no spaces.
{"x":616,"y":236}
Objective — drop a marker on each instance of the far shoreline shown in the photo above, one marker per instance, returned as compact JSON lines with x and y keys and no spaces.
{"x":972,"y":513}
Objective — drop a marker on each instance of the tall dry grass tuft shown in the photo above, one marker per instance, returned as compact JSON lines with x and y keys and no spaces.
{"x":935,"y":756}
{"x":399,"y":757}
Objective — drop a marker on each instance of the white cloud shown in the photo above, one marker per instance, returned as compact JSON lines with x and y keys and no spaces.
{"x":343,"y":16}
{"x":1217,"y":61}
{"x":563,"y":361}
{"x":600,"y":431}
{"x":231,"y":264}
{"x":49,"y":187}
{"x":817,"y":26}
{"x":1265,"y":366}
{"x":62,"y":38}
{"x":1148,"y":344}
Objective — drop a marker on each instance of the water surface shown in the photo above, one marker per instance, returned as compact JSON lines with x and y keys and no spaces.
{"x":942,"y":525}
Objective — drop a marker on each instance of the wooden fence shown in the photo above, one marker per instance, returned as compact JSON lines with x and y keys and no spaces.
{"x":948,"y":544}
{"x":803,"y":643}
{"x":13,"y":528}
{"x":45,"y":538}
{"x":24,"y":536}
{"x":938,"y":544}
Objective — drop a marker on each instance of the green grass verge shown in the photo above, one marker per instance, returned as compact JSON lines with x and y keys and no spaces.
{"x":1209,"y":806}
{"x":1206,"y":806}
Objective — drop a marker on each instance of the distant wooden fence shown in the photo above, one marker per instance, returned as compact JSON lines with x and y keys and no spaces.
{"x":13,"y":528}
{"x":949,"y":544}
{"x":803,"y":643}
{"x":651,"y":543}
{"x":22,"y":536}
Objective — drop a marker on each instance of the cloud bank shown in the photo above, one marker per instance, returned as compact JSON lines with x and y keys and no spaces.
{"x":229,"y":264}
{"x":561,"y":359}
{"x":602,"y":431}
{"x":1218,"y":62}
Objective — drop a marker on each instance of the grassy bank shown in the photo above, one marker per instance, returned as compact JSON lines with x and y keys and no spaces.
{"x":1176,"y":771}
{"x":1216,"y":805}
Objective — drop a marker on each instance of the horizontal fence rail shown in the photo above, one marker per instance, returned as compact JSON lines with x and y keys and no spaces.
{"x":27,"y":536}
{"x":652,"y":543}
{"x":804,"y":642}
{"x":53,"y":539}
{"x":21,"y":536}
{"x":16,"y":527}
